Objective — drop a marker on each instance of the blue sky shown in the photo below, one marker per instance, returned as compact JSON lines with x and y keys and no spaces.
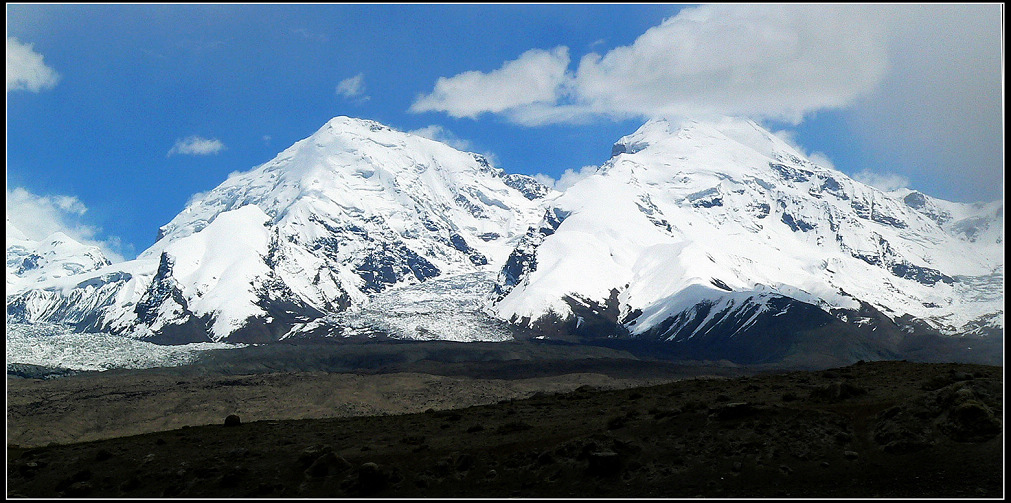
{"x":116,"y":115}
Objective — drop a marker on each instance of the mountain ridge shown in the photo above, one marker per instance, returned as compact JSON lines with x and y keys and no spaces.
{"x":780,"y":223}
{"x":691,"y":228}
{"x":346,"y":213}
{"x":57,"y":255}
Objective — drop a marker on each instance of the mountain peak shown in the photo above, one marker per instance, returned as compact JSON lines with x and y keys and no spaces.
{"x":346,"y":123}
{"x":682,"y":135}
{"x":352,"y":210}
{"x":689,"y":209}
{"x":58,"y":255}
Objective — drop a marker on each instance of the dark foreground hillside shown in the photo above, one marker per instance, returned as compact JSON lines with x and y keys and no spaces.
{"x":882,"y":429}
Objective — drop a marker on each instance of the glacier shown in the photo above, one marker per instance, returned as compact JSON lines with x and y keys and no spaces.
{"x":55,"y":346}
{"x":452,"y":308}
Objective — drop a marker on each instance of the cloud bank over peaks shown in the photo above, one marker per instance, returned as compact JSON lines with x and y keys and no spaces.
{"x":938,"y":115}
{"x":763,"y":61}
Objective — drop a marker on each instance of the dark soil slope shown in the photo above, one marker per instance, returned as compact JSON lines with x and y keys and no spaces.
{"x":888,"y":429}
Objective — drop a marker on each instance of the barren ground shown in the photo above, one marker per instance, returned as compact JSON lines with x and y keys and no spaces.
{"x":511,"y":427}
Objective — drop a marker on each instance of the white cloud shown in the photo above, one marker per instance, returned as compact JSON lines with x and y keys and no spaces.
{"x":922,"y":84}
{"x":353,"y":87}
{"x":938,"y":113}
{"x":196,"y":196}
{"x":311,"y":35}
{"x":764,"y":61}
{"x":545,"y":180}
{"x":195,"y":145}
{"x":568,"y":178}
{"x":819,"y":158}
{"x":770,"y":61}
{"x":441,"y":134}
{"x":38,"y":217}
{"x":26,"y":70}
{"x":883,"y":181}
{"x":534,"y":78}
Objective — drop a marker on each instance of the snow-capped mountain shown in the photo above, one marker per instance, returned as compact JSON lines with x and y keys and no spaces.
{"x":31,"y":263}
{"x":353,"y":210}
{"x":713,"y":229}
